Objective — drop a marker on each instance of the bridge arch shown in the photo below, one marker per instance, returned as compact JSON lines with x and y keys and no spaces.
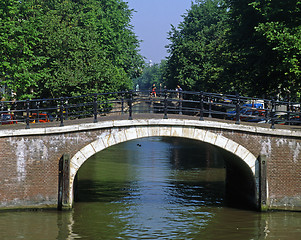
{"x":122,"y":134}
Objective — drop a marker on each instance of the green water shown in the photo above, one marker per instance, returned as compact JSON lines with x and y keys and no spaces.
{"x":152,"y":188}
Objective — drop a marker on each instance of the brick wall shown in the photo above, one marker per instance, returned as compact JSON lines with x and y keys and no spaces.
{"x":283,"y":166}
{"x":29,"y":165}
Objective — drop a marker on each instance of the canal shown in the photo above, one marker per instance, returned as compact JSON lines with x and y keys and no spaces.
{"x":151,"y":188}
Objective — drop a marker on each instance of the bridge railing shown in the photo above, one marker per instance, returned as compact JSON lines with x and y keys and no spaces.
{"x":166,"y":102}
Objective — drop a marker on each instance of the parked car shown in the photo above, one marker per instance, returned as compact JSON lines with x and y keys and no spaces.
{"x":7,"y":118}
{"x":295,"y":119}
{"x":253,"y":115}
{"x":253,"y":112}
{"x":248,"y":115}
{"x":279,"y":118}
{"x":42,"y":117}
{"x":291,"y":119}
{"x":282,"y":118}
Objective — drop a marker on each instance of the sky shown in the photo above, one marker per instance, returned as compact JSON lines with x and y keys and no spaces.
{"x":152,"y":21}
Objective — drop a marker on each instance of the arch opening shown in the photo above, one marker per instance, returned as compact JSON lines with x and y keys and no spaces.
{"x":186,"y":169}
{"x":240,"y":164}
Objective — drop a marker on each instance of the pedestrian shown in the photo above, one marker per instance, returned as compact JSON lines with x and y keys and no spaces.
{"x":179,"y":90}
{"x":154,"y":90}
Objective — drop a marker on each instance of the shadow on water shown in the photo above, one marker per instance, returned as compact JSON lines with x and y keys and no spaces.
{"x":182,"y":170}
{"x":202,"y":193}
{"x":92,"y":191}
{"x":199,"y":193}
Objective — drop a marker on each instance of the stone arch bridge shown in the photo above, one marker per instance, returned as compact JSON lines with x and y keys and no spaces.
{"x":38,"y":166}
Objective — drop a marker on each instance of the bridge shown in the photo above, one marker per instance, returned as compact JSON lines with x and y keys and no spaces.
{"x":40,"y":158}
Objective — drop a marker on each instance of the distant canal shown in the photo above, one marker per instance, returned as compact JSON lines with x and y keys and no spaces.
{"x":152,"y":188}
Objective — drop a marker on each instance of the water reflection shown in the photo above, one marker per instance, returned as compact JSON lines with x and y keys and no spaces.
{"x":85,"y":223}
{"x":65,"y":223}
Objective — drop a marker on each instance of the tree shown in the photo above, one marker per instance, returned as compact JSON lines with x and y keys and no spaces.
{"x":19,"y":36}
{"x":73,"y":47}
{"x":251,"y":47}
{"x":264,"y":36}
{"x":198,"y":49}
{"x":282,"y":30}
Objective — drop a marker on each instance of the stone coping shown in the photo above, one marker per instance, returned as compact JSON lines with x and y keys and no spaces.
{"x":149,"y":122}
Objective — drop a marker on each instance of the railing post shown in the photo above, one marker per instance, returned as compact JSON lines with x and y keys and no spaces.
{"x":299,"y":112}
{"x":201,"y":106}
{"x":38,"y":111}
{"x":266,"y":111}
{"x":95,"y":108}
{"x":61,"y":112}
{"x":165,"y":104}
{"x":131,"y":106}
{"x":65,"y":104}
{"x":27,"y":114}
{"x":237,"y":109}
{"x":288,"y":117}
{"x":210,"y":107}
{"x":180,"y":103}
{"x":273,"y":114}
{"x":151,"y":104}
{"x":2,"y":107}
{"x":122,"y":104}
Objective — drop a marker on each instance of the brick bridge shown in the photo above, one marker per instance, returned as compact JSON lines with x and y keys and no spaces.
{"x":38,"y":166}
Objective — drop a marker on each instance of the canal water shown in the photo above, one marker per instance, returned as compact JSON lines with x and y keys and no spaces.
{"x":151,"y":188}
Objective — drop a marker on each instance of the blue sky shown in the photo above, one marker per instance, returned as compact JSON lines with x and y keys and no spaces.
{"x":152,"y":22}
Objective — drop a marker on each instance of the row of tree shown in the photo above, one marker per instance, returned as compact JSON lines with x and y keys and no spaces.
{"x":67,"y":47}
{"x":73,"y":47}
{"x":249,"y":46}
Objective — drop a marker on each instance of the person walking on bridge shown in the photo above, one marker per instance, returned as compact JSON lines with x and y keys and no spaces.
{"x":154,"y":90}
{"x":179,"y":91}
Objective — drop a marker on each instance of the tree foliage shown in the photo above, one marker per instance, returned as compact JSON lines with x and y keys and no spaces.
{"x":252,"y":47}
{"x":281,"y":30}
{"x":71,"y":47}
{"x":19,"y":37}
{"x":197,"y":48}
{"x":152,"y":74}
{"x":264,"y":35}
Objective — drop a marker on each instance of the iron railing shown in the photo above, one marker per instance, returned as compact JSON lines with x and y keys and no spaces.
{"x":199,"y":104}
